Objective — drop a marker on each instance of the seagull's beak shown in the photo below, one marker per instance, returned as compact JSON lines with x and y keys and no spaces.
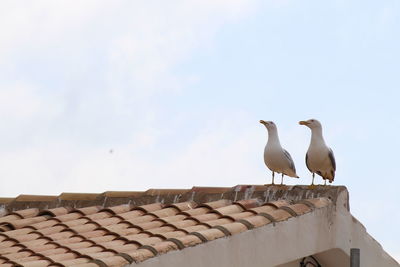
{"x":303,"y":122}
{"x":262,"y":122}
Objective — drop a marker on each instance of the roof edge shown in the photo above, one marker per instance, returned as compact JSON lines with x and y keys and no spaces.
{"x":266,"y":193}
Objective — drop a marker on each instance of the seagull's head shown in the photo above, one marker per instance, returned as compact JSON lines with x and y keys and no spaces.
{"x":268,"y":124}
{"x":311,"y":123}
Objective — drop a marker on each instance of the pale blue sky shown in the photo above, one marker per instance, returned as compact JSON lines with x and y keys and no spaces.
{"x":176,"y":90}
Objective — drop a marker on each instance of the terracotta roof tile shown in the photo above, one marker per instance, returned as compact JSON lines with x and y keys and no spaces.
{"x":141,"y":255}
{"x":197,"y":211}
{"x":248,"y":203}
{"x":62,"y":256}
{"x":69,"y":217}
{"x":299,"y":208}
{"x":118,"y":209}
{"x":175,"y":218}
{"x":265,"y":208}
{"x":195,"y":228}
{"x":138,"y":236}
{"x":280,"y":215}
{"x":61,"y":235}
{"x":45,"y":224}
{"x":150,"y":225}
{"x":190,"y":240}
{"x":184,"y":223}
{"x":150,"y":207}
{"x":89,"y":250}
{"x":235,"y":227}
{"x":83,"y":244}
{"x":109,"y":221}
{"x":10,"y":218}
{"x":217,"y":204}
{"x":167,"y":212}
{"x":71,"y":262}
{"x":235,"y":208}
{"x":45,"y":247}
{"x":132,"y":214}
{"x":18,"y":232}
{"x":88,"y":210}
{"x":34,"y":262}
{"x":257,"y":220}
{"x":219,"y":222}
{"x":91,"y":264}
{"x":183,"y":206}
{"x":78,"y":231}
{"x":113,"y":243}
{"x":211,"y":234}
{"x":17,"y":224}
{"x":207,"y":217}
{"x":100,"y":215}
{"x":9,"y":250}
{"x":162,"y":229}
{"x":71,"y":240}
{"x":76,"y":222}
{"x":150,"y":240}
{"x":318,"y":202}
{"x":240,"y":215}
{"x":115,"y":261}
{"x":55,"y":212}
{"x":102,"y":239}
{"x":278,"y":203}
{"x":166,"y":246}
{"x":173,"y":234}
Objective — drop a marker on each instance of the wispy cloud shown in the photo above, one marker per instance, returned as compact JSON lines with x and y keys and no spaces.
{"x":81,"y":79}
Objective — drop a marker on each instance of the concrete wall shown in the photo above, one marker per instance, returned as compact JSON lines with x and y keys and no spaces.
{"x":327,"y":233}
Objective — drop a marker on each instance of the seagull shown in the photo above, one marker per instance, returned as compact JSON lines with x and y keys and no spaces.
{"x":276,"y":158}
{"x":319,"y":157}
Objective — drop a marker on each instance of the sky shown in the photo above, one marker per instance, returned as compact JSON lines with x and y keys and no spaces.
{"x":129,"y":95}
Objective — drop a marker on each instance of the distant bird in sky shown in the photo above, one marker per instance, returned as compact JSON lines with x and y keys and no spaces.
{"x":276,"y":158}
{"x":319,"y":157}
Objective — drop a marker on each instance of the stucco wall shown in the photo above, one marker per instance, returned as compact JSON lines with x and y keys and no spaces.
{"x":327,"y":233}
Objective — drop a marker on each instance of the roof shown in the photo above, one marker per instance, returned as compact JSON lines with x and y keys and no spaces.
{"x":120,"y":228}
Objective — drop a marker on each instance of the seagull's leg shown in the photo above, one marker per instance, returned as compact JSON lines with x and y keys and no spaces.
{"x":273,"y":176}
{"x":313,"y":176}
{"x":282,"y":180}
{"x":325,"y":182}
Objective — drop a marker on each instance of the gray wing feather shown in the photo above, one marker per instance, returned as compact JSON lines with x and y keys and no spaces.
{"x":291,"y":163}
{"x":332,"y":158}
{"x":307,"y":162}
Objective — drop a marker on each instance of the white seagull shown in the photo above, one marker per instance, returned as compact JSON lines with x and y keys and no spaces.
{"x":319,"y":157}
{"x":276,"y":158}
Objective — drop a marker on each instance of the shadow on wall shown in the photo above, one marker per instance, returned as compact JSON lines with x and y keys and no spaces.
{"x":332,"y":257}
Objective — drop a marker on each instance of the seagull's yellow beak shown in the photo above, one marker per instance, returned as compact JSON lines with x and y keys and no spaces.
{"x":303,"y":122}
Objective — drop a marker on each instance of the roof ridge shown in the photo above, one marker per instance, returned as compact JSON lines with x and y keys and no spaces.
{"x":265,"y":193}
